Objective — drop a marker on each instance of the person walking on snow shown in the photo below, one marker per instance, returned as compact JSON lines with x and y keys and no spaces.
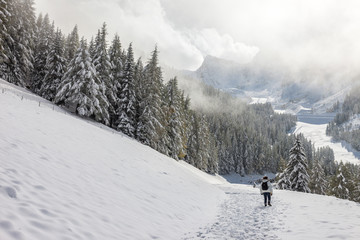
{"x":266,"y":189}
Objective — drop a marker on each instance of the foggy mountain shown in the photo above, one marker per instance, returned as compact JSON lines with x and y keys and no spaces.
{"x":260,"y":84}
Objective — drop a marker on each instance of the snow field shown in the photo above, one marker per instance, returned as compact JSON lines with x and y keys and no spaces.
{"x":317,"y":134}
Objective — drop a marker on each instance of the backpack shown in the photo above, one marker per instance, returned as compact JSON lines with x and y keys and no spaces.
{"x":264,"y":186}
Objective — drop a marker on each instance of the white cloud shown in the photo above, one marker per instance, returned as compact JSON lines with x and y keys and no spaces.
{"x":210,"y":42}
{"x":298,"y":36}
{"x":145,"y":23}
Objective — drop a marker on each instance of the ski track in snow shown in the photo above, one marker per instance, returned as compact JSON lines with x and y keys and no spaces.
{"x":243,"y":216}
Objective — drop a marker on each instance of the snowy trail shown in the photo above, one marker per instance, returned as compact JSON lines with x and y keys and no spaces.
{"x":293,"y":216}
{"x":242,"y":216}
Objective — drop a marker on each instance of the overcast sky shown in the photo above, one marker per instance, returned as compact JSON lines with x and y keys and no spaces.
{"x":297,"y":35}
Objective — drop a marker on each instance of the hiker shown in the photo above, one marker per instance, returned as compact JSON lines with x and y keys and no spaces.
{"x":266,"y":190}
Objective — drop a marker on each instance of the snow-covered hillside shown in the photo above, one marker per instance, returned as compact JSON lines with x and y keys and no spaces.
{"x":65,"y":178}
{"x":62,"y":177}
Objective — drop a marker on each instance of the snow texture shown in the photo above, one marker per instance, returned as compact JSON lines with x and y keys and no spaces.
{"x":62,"y":177}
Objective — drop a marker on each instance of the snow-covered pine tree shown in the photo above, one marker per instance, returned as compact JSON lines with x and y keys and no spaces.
{"x":150,"y":127}
{"x":82,"y":88}
{"x":126,"y":111}
{"x":115,"y":54}
{"x":339,"y":183}
{"x":139,"y":79}
{"x":55,"y":67}
{"x":116,"y":61}
{"x":201,"y":149}
{"x":4,"y":15}
{"x":185,"y":123}
{"x":72,"y":44}
{"x":18,"y":42}
{"x":318,"y":183}
{"x":173,"y":118}
{"x":296,"y":170}
{"x":353,"y":182}
{"x":5,"y":40}
{"x":356,"y":192}
{"x":25,"y":40}
{"x":207,"y":149}
{"x":102,"y":65}
{"x":192,"y":144}
{"x":282,"y":181}
{"x":43,"y":42}
{"x":92,"y":48}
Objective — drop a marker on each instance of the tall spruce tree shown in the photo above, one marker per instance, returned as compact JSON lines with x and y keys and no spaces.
{"x":126,"y":111}
{"x":173,"y":118}
{"x":82,"y":88}
{"x":296,"y":174}
{"x":139,"y":79}
{"x":356,"y":192}
{"x":72,"y":44}
{"x":4,"y":19}
{"x":339,"y":183}
{"x":7,"y":10}
{"x":116,"y":61}
{"x":25,"y":40}
{"x":102,"y":65}
{"x":55,"y":67}
{"x":115,"y":54}
{"x":43,"y":42}
{"x":150,"y":128}
{"x":318,"y":183}
{"x":18,"y":42}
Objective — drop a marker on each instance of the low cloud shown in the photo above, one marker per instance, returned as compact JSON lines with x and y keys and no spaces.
{"x":314,"y":40}
{"x":210,"y":42}
{"x":146,"y":24}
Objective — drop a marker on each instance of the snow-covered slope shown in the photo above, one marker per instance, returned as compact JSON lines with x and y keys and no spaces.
{"x":323,"y":105}
{"x":317,"y":134}
{"x":65,"y":178}
{"x":62,"y":177}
